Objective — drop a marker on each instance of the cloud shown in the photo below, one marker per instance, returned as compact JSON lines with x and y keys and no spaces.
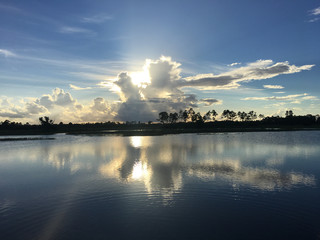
{"x":163,"y":88}
{"x":164,"y":75}
{"x":99,"y":111}
{"x":58,"y":97}
{"x":100,"y":105}
{"x":143,"y":102}
{"x":129,"y":91}
{"x":261,"y":69}
{"x":22,"y":112}
{"x":58,"y":103}
{"x":316,"y":11}
{"x":14,"y":115}
{"x":210,"y":101}
{"x":7,"y":53}
{"x":74,"y":87}
{"x":158,"y":87}
{"x":9,"y":8}
{"x":60,"y":106}
{"x":34,"y":108}
{"x":282,"y":98}
{"x":310,"y":98}
{"x":315,"y":14}
{"x":5,"y":102}
{"x":273,"y":86}
{"x":74,"y":30}
{"x":97,"y":18}
{"x":234,"y":64}
{"x":135,"y":111}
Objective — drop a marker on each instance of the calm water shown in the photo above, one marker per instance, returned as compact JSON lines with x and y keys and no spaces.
{"x":189,"y":186}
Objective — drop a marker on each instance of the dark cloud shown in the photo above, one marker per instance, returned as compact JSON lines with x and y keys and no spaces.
{"x":12,"y":115}
{"x":33,"y":108}
{"x":210,"y":101}
{"x":208,"y":81}
{"x":135,"y":111}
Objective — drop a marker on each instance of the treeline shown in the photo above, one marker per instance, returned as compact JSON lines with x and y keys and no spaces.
{"x":240,"y":118}
{"x":191,"y":116}
{"x":175,"y":122}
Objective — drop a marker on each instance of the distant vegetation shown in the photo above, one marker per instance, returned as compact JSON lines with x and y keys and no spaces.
{"x":175,"y":122}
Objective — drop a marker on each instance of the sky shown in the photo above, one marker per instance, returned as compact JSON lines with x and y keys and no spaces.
{"x":97,"y":61}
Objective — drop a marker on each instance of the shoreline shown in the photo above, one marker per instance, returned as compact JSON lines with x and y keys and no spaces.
{"x":144,"y":131}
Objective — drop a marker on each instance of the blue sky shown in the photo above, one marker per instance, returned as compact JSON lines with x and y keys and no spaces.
{"x":88,"y":61}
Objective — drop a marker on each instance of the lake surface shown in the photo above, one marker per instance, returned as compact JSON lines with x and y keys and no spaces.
{"x":190,"y":186}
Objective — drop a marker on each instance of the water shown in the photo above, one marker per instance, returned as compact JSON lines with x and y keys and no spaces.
{"x":188,"y":186}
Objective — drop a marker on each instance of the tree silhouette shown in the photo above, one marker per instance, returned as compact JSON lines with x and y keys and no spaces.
{"x":214,"y":114}
{"x":163,"y":117}
{"x":242,"y":116}
{"x":191,"y":114}
{"x":210,"y":115}
{"x":289,"y":113}
{"x":228,"y":115}
{"x":173,"y":117}
{"x":197,"y":118}
{"x":46,"y":121}
{"x":184,"y":115}
{"x":6,"y":123}
{"x":251,"y":116}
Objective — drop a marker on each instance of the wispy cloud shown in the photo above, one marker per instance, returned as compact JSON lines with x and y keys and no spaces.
{"x":9,"y":8}
{"x":273,"y":86}
{"x":210,"y":101}
{"x":6,"y":53}
{"x":315,"y":13}
{"x":310,"y":98}
{"x":100,"y":18}
{"x":73,"y":30}
{"x":234,"y":64}
{"x":293,"y":97}
{"x":74,"y":87}
{"x":261,"y":69}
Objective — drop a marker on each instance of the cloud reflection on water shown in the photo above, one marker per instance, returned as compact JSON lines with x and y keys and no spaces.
{"x":161,"y":163}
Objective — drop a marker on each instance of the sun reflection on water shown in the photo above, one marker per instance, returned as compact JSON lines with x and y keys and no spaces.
{"x":140,"y":171}
{"x":136,"y":141}
{"x":163,"y":163}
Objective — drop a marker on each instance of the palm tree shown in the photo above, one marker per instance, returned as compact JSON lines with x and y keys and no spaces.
{"x":46,"y":121}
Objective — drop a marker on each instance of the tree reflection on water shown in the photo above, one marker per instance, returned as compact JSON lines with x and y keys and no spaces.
{"x":161,"y":163}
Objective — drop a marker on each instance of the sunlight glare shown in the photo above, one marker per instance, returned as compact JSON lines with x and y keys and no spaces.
{"x":140,"y":79}
{"x":139,"y":171}
{"x":136,"y":141}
